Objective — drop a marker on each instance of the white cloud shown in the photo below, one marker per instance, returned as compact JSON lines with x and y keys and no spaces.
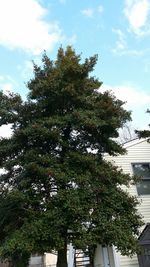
{"x":121,"y":44}
{"x":7,"y":84}
{"x":26,"y":69}
{"x":100,"y":9}
{"x":147,"y":66}
{"x":5,"y":131}
{"x":72,"y":40}
{"x":1,"y":78}
{"x":88,"y":12}
{"x":136,"y":100}
{"x":121,"y":47}
{"x":62,"y":1}
{"x":130,"y":94}
{"x":137,"y":12}
{"x":7,"y":87}
{"x":22,"y":25}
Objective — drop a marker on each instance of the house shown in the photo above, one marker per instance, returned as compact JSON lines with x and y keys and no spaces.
{"x":135,"y":161}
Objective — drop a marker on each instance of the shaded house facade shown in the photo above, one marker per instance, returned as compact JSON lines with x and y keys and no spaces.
{"x":144,"y":240}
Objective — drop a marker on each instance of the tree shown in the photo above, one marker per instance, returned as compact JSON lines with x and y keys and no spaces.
{"x":143,"y":133}
{"x":56,"y":181}
{"x":127,"y":133}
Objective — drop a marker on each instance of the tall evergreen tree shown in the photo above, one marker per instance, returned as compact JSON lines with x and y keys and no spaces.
{"x":57,"y":188}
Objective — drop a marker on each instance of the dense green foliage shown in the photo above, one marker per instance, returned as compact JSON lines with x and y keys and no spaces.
{"x":57,"y":187}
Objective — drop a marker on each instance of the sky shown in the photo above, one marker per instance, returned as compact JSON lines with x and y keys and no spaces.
{"x":118,"y":31}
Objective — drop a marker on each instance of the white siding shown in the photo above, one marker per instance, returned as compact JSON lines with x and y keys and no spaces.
{"x":138,"y":152}
{"x":50,"y":259}
{"x":36,"y":260}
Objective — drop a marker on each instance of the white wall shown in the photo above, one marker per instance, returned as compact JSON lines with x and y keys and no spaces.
{"x":136,"y":152}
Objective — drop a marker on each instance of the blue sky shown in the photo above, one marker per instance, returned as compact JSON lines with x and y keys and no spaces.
{"x":118,"y":31}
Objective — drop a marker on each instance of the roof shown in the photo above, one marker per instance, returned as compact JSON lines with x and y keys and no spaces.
{"x":134,"y":142}
{"x":144,"y":237}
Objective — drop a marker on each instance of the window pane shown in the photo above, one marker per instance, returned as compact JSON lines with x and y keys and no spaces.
{"x":143,"y":170}
{"x":143,"y":188}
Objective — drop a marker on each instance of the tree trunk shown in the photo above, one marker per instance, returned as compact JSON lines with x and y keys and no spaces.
{"x":62,"y":257}
{"x":91,"y":255}
{"x":19,"y":260}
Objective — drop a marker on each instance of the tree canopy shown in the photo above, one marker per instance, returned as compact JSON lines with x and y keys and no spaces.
{"x":57,"y":188}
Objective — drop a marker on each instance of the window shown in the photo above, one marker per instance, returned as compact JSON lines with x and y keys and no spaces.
{"x":143,"y":170}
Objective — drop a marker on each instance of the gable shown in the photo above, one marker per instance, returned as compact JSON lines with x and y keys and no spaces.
{"x":135,"y":142}
{"x":136,"y":152}
{"x":141,"y":147}
{"x":144,"y":238}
